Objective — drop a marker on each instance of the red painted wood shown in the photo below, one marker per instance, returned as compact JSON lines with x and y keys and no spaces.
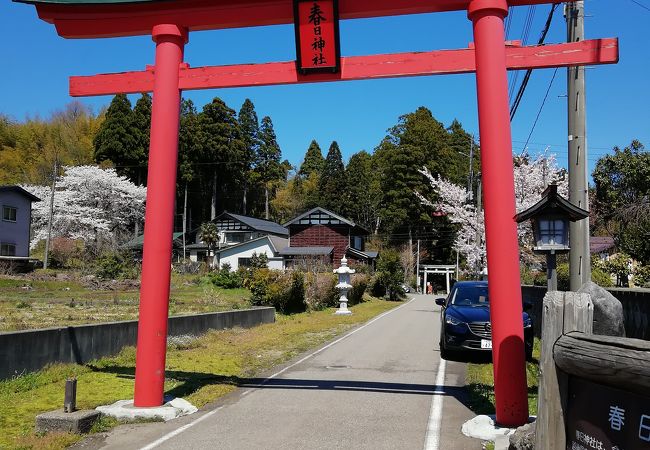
{"x":159,"y":219}
{"x":597,"y":51}
{"x":508,"y":355}
{"x":93,"y":21}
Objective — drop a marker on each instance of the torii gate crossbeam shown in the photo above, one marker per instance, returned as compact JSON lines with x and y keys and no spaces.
{"x":169,"y":23}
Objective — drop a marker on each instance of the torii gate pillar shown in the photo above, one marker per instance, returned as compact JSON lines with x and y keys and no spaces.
{"x":159,"y":217}
{"x":499,"y":202}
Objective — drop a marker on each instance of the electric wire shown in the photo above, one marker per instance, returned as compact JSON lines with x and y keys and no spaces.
{"x":540,"y":110}
{"x":524,"y":83}
{"x":640,"y":4}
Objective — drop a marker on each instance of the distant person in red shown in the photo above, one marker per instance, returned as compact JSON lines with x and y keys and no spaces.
{"x":429,"y":288}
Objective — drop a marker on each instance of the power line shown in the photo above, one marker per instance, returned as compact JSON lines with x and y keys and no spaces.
{"x":640,"y":4}
{"x":524,"y":83}
{"x":540,"y":109}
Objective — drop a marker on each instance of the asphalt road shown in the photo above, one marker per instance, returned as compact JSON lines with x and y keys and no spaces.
{"x":374,"y":389}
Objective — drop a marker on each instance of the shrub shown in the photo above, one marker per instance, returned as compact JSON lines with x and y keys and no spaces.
{"x":359,"y":286}
{"x":66,"y":253}
{"x":226,"y":279}
{"x":390,"y":273}
{"x":601,"y":278}
{"x":563,"y":277}
{"x":376,"y":288}
{"x":109,"y":266}
{"x":320,"y":291}
{"x":642,"y":276}
{"x":283,"y":291}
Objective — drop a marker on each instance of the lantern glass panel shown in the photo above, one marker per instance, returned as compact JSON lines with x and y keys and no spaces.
{"x":551,"y":232}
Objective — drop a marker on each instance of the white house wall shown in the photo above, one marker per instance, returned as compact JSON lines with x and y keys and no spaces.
{"x":231,"y":256}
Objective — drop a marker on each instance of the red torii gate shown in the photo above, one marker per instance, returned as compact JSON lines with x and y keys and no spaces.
{"x":169,"y":23}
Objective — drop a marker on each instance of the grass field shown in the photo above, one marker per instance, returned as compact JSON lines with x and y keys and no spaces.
{"x":200,"y":370}
{"x":480,"y":384}
{"x":41,"y":302}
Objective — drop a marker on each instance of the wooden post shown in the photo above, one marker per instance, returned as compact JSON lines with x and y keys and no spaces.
{"x":562,"y":313}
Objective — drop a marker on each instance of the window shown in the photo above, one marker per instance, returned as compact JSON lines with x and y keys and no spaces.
{"x":9,"y":213}
{"x":244,"y":262}
{"x":7,"y":249}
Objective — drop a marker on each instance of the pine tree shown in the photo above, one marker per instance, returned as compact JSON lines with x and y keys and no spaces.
{"x":189,"y":153}
{"x":332,"y":187}
{"x":223,"y":149}
{"x":114,"y":141}
{"x":313,"y":162}
{"x":363,"y":190}
{"x":460,"y":143}
{"x":250,"y":134}
{"x":141,"y":125}
{"x":269,"y":168}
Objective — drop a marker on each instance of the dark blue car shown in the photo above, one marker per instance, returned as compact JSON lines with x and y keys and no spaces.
{"x":465,"y":321}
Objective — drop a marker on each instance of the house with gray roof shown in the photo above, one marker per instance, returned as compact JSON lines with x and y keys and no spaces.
{"x":322,"y":236}
{"x":234,"y":229}
{"x":15,"y":222}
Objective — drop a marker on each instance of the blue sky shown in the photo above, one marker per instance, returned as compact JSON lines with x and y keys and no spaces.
{"x":37,"y":64}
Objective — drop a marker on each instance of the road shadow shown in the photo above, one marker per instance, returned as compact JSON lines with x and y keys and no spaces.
{"x":190,"y":382}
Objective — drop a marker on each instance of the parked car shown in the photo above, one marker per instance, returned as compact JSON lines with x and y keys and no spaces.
{"x":465,"y":321}
{"x":406,"y":288}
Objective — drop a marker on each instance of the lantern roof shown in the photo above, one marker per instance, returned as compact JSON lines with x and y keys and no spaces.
{"x":552,"y":203}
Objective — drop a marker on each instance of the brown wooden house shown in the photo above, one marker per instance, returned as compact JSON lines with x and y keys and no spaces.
{"x":322,"y":236}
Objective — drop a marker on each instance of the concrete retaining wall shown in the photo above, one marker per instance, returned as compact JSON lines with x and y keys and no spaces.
{"x":26,"y":351}
{"x":636,"y":309}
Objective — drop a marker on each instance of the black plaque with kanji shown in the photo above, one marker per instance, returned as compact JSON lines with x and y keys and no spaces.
{"x":603,"y":418}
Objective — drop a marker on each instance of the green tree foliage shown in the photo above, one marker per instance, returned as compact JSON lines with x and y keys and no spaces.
{"x":209,"y":235}
{"x":332,"y":186}
{"x":622,"y":198}
{"x":460,"y":144}
{"x":189,"y":149}
{"x":141,"y":130}
{"x":223,"y":149}
{"x":114,"y":141}
{"x":363,"y":190}
{"x":313,"y":162}
{"x":418,"y":140}
{"x":250,"y":134}
{"x":268,"y":167}
{"x":28,"y":150}
{"x":390,"y":273}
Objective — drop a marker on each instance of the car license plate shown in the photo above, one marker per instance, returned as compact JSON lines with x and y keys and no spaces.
{"x":485,"y":343}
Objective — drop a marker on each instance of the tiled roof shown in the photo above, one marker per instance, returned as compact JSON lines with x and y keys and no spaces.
{"x":307,"y":251}
{"x":598,"y":244}
{"x":261,"y":224}
{"x":21,"y":191}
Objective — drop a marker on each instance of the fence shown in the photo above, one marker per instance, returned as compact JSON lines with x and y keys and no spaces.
{"x":636,"y":309}
{"x":26,"y":351}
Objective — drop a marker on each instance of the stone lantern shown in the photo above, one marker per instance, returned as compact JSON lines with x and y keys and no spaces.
{"x":344,"y":286}
{"x":550,"y":218}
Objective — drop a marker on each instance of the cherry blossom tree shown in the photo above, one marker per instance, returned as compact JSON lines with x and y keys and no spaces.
{"x":531,"y":176}
{"x":90,"y":203}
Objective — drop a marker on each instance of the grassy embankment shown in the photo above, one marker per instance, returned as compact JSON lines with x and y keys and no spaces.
{"x":45,"y":301}
{"x":200,"y":370}
{"x":480,"y":384}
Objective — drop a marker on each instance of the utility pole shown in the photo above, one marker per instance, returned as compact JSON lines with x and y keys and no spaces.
{"x":479,"y":211}
{"x":579,"y":257}
{"x":470,"y":180}
{"x":417,"y":269}
{"x":50,"y":217}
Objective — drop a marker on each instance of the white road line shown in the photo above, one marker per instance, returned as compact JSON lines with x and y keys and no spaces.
{"x":432,"y":440}
{"x":178,"y":431}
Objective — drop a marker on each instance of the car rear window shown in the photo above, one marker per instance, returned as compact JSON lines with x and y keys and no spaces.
{"x":470,"y":296}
